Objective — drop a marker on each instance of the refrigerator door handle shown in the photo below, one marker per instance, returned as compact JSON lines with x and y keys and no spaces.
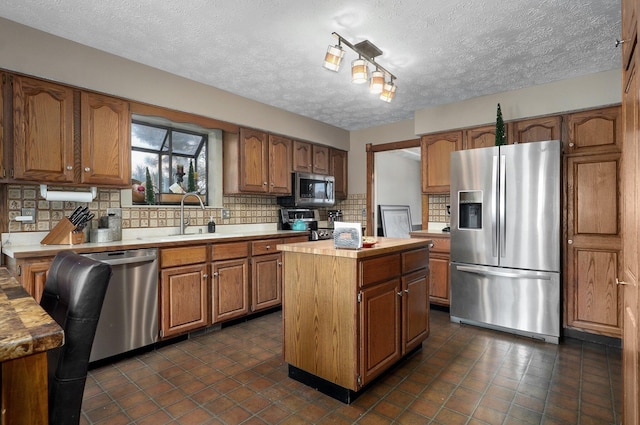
{"x":494,"y":207}
{"x":503,"y":192}
{"x":483,"y":271}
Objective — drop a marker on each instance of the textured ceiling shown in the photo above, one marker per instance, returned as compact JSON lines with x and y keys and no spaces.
{"x":272,"y":50}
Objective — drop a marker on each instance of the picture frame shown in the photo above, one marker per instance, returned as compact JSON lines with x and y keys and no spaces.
{"x":395,"y":220}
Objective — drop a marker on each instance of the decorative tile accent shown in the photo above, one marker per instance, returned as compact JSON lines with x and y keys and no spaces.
{"x":438,"y":208}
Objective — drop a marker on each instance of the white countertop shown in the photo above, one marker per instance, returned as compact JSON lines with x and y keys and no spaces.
{"x":24,"y":244}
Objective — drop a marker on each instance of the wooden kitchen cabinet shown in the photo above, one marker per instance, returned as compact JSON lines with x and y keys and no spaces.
{"x":31,"y":273}
{"x":320,"y":159}
{"x":439,"y":258}
{"x":436,"y":163}
{"x":184,"y":294}
{"x":43,"y":133}
{"x":257,"y":163}
{"x":480,"y":137}
{"x":5,"y":112}
{"x":338,"y":168}
{"x":302,"y":157}
{"x":594,"y":131}
{"x":535,"y":130}
{"x":266,"y":274}
{"x":310,"y":158}
{"x":44,"y":122}
{"x":357,"y":313}
{"x":229,"y":281}
{"x":593,"y":245}
{"x":105,"y":140}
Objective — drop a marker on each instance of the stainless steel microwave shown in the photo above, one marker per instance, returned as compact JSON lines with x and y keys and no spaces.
{"x":310,"y":191}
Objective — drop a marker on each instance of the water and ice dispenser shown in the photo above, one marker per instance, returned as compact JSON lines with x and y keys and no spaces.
{"x":470,"y":209}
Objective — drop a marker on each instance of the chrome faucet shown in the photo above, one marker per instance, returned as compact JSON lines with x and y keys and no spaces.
{"x":184,"y":223}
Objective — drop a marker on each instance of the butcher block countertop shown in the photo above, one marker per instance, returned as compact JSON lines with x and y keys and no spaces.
{"x":429,"y":233}
{"x":25,"y":328}
{"x":384,"y":246}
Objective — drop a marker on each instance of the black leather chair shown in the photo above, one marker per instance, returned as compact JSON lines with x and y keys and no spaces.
{"x":73,"y":295}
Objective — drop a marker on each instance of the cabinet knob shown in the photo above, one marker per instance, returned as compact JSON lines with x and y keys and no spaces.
{"x":69,"y":167}
{"x":619,"y":42}
{"x":216,"y":274}
{"x":570,"y":241}
{"x":400,"y":293}
{"x":268,"y":247}
{"x":406,"y":290}
{"x":571,"y":145}
{"x":279,"y":263}
{"x":621,"y":282}
{"x":87,"y":169}
{"x":205,"y":275}
{"x":264,"y":183}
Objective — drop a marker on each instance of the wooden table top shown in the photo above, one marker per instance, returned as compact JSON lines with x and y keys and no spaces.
{"x":25,"y":328}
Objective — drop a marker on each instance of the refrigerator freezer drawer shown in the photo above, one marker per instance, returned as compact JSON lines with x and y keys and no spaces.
{"x":519,"y":301}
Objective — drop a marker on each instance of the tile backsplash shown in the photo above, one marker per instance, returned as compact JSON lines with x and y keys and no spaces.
{"x":438,"y":208}
{"x":244,"y":209}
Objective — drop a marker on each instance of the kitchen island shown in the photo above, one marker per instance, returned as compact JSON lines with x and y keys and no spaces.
{"x":349,"y":315}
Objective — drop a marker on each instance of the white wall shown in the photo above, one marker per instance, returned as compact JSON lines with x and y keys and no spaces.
{"x":29,"y":51}
{"x":398,"y":182}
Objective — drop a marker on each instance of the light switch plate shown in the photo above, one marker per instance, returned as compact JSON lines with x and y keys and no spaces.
{"x":31,"y":212}
{"x":226,"y":214}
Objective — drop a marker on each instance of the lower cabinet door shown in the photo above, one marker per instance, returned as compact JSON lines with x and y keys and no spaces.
{"x":266,"y":281}
{"x":439,"y":267}
{"x":183,"y":299}
{"x":230,"y":289}
{"x":415,"y":309}
{"x":379,"y":329}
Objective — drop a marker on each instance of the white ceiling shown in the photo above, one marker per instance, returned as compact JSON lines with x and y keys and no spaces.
{"x":441,"y":51}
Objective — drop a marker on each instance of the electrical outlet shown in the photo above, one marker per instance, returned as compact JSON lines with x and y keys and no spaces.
{"x":226,"y":214}
{"x":31,"y":212}
{"x":364,"y":212}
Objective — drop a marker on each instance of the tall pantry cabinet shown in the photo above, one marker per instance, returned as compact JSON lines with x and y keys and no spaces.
{"x":630,"y":214}
{"x":592,"y":243}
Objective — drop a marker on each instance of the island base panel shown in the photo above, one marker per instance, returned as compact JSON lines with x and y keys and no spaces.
{"x":336,"y":391}
{"x":342,"y":394}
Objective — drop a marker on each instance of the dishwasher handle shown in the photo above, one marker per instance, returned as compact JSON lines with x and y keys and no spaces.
{"x":121,"y":257}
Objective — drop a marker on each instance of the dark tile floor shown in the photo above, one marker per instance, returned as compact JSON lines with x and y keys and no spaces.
{"x":462,"y":375}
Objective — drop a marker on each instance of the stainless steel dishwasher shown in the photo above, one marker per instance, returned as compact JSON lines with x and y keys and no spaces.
{"x":129,"y":317}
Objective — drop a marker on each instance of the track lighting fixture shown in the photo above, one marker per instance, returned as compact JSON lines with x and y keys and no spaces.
{"x":367,"y":52}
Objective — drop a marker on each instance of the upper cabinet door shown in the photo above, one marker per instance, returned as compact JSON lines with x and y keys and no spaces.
{"x":535,"y":130}
{"x":436,"y":161}
{"x":254,"y":161}
{"x":279,"y":165}
{"x":480,"y":137}
{"x":338,"y":169}
{"x":595,"y":131}
{"x":302,"y":157}
{"x":320,"y":159}
{"x":105,"y":140}
{"x":42,"y":131}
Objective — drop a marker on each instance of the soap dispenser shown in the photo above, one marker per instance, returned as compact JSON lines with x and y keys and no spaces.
{"x":211,"y":227}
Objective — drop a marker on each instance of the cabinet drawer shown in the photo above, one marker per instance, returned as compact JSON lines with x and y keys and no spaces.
{"x":415,"y":259}
{"x":267,"y":246}
{"x":441,"y":245}
{"x":379,"y":269}
{"x":171,"y":257}
{"x":228,"y":251}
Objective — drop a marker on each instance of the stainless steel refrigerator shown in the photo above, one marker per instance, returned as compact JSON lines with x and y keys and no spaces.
{"x":505,"y":238}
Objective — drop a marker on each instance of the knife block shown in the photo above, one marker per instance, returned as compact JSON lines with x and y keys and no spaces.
{"x":63,"y":234}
